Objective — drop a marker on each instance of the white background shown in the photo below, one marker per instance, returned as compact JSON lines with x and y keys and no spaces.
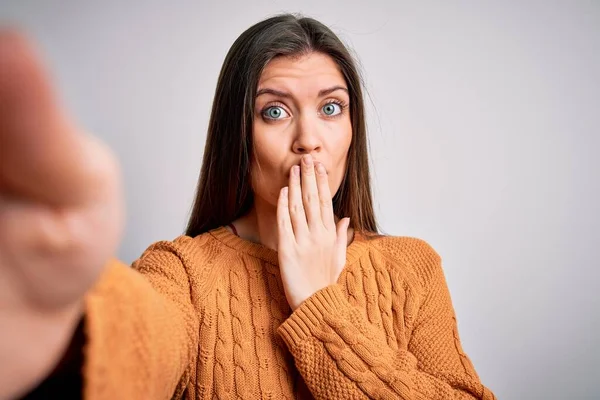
{"x":484,"y":129}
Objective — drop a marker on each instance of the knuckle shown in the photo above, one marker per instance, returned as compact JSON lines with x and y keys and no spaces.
{"x":296,"y":209}
{"x":308,"y":197}
{"x":325,"y":203}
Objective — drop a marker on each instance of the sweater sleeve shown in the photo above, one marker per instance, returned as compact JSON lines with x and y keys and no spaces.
{"x":141,"y":329}
{"x":341,"y":355}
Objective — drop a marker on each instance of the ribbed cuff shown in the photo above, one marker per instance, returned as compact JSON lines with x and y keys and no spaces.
{"x":309,"y":316}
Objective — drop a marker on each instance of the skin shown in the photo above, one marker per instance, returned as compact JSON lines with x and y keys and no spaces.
{"x":61,"y":205}
{"x":61,"y":212}
{"x":302,"y":121}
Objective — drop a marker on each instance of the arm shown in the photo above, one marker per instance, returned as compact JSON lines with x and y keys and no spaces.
{"x":61,"y":216}
{"x":141,"y":329}
{"x":138,"y":344}
{"x":341,"y":355}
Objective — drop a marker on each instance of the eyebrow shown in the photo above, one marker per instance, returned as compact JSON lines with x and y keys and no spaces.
{"x":279,"y":93}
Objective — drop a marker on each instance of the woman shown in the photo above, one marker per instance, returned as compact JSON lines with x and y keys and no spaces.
{"x":269,"y":294}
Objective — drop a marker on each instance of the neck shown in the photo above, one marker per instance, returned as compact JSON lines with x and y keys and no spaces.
{"x":259,"y":225}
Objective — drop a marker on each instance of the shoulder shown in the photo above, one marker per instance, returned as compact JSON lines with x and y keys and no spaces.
{"x":190,"y":252}
{"x":197,"y":261}
{"x":411,"y":253}
{"x":405,"y":248}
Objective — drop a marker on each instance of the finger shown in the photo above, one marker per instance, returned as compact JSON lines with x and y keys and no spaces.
{"x":310,"y":193}
{"x":284,"y":223}
{"x":42,"y":156}
{"x":295,"y":206}
{"x":325,"y":201}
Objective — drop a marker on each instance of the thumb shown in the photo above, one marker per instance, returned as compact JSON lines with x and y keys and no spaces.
{"x":43,"y":156}
{"x":342,"y":242}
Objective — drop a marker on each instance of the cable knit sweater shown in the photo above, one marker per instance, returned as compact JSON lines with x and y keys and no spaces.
{"x":207,"y":317}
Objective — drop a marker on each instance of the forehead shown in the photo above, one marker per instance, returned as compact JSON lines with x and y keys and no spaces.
{"x":310,"y":71}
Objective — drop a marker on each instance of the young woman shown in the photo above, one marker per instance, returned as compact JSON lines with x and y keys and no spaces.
{"x":281,"y":286}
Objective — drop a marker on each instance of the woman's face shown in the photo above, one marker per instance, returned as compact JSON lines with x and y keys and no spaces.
{"x":301,"y":107}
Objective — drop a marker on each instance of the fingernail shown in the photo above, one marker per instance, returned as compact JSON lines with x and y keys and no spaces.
{"x":321,"y":169}
{"x":284,"y":191}
{"x":307,"y":159}
{"x":296,"y":170}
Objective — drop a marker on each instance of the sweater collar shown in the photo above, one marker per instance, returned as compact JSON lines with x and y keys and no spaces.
{"x":353,"y":252}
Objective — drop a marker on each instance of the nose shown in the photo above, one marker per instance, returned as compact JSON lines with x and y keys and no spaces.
{"x":307,"y":140}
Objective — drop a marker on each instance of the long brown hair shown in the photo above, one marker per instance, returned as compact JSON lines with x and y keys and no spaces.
{"x":224,"y":191}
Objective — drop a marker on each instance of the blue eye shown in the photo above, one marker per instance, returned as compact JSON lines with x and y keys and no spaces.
{"x":331,"y":109}
{"x":275,"y":112}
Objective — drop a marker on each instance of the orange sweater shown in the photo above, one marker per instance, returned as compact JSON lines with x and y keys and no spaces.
{"x":208,"y":315}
